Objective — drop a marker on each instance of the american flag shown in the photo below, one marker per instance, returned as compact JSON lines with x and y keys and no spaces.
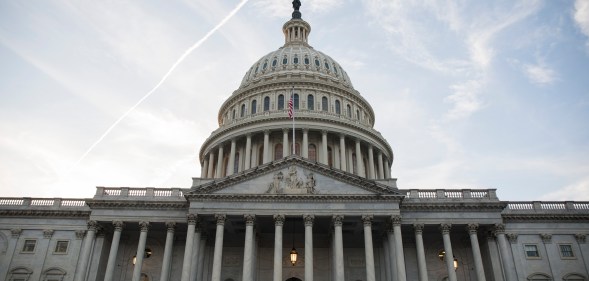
{"x":290,"y":107}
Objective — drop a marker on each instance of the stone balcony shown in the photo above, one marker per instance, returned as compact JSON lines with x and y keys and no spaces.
{"x":544,"y":207}
{"x":439,"y":195}
{"x":139,"y":193}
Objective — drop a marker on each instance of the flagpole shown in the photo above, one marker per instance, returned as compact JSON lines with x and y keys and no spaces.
{"x":293,"y":121}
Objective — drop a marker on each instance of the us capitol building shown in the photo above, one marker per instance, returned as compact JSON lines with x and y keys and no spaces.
{"x":329,"y":210}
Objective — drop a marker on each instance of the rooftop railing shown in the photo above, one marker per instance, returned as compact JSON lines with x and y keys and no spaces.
{"x":134,"y":192}
{"x":42,"y":202}
{"x":546,"y":206}
{"x":432,"y":194}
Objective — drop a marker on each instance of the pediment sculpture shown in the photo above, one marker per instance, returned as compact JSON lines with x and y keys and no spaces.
{"x":292,"y":183}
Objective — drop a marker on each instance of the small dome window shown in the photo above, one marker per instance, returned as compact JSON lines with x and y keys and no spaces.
{"x":335,"y":69}
{"x":285,"y":60}
{"x":256,"y":72}
{"x":307,"y":60}
{"x":327,"y":65}
{"x":265,"y":65}
{"x":274,"y":62}
{"x":317,"y":63}
{"x":295,"y":60}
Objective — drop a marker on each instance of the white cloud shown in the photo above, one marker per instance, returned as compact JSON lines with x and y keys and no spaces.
{"x":578,"y":190}
{"x":540,"y":74}
{"x":581,"y":17}
{"x":465,"y":99}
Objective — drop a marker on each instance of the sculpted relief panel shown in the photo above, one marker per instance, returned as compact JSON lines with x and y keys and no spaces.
{"x":292,"y":183}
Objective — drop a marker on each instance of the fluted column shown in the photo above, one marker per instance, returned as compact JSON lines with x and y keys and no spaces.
{"x":144,"y":226}
{"x":399,"y":254}
{"x":248,"y":247}
{"x":506,"y":257}
{"x":266,"y":147}
{"x":285,"y":146}
{"x":368,"y":248}
{"x":201,"y":257}
{"x":448,"y":256}
{"x":231,"y":164}
{"x":421,"y":264}
{"x":305,"y":148}
{"x":342,"y":151}
{"x":476,"y":251}
{"x":218,"y":252}
{"x":211,"y":164}
{"x":248,"y":152}
{"x":339,"y":247}
{"x":380,"y":166}
{"x":114,"y":248}
{"x":308,"y":219}
{"x":166,"y":264}
{"x":85,"y":254}
{"x":359,"y":166}
{"x":204,"y":168}
{"x":325,"y":158}
{"x":220,"y":162}
{"x":371,"y":162}
{"x":278,"y":223}
{"x":188,"y":247}
{"x":195,"y":251}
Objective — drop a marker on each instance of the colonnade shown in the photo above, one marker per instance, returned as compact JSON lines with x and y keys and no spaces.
{"x":193,"y":254}
{"x":338,"y":150}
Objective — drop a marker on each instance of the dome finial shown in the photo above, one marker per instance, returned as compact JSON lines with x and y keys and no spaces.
{"x":296,"y":4}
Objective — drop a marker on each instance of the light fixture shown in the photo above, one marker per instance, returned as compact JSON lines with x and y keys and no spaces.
{"x":442,"y":256}
{"x":293,"y":253}
{"x":146,"y":255}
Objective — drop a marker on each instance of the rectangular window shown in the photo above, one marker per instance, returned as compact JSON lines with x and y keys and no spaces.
{"x":531,"y":251}
{"x":61,"y":247}
{"x":29,"y":246}
{"x":566,"y":251}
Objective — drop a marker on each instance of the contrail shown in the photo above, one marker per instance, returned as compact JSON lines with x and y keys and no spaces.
{"x":186,"y":53}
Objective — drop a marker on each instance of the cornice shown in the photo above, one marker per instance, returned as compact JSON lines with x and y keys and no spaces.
{"x":45,"y":213}
{"x":450,"y":206}
{"x":136,"y":204}
{"x":573,"y":218}
{"x":286,"y":198}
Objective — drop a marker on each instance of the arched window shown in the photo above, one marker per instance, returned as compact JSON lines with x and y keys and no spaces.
{"x":310,"y":102}
{"x":278,"y":151}
{"x":574,"y":277}
{"x":349,"y":109}
{"x":53,"y":273}
{"x":20,"y":273}
{"x":539,"y":277}
{"x":295,"y":60}
{"x":266,"y":103}
{"x":306,"y":60}
{"x":280,"y":102}
{"x":236,"y":163}
{"x":274,"y":62}
{"x":312,"y":152}
{"x":284,"y":60}
{"x":358,"y":114}
{"x":317,"y":63}
{"x":254,"y":108}
{"x":242,"y":113}
{"x":324,"y":104}
{"x":329,"y":156}
{"x":296,"y":101}
{"x":338,"y":109}
{"x":233,"y":116}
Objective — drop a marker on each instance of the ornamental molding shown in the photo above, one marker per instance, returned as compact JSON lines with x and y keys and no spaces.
{"x":170,"y":226}
{"x":418,"y":227}
{"x":308,"y":220}
{"x":292,"y":183}
{"x":118,"y":225}
{"x":546,"y":217}
{"x":279,"y":220}
{"x":80,"y":234}
{"x":445,"y":228}
{"x":289,"y":198}
{"x":250,"y":219}
{"x":137,"y":204}
{"x":367,"y":220}
{"x":581,"y":238}
{"x":512,"y":237}
{"x":546,"y":238}
{"x":15,"y":232}
{"x":45,"y":213}
{"x":451,"y":205}
{"x":48,"y":233}
{"x":337,"y":220}
{"x":472,"y":228}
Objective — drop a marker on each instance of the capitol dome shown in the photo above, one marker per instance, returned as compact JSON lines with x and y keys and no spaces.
{"x":333,"y":122}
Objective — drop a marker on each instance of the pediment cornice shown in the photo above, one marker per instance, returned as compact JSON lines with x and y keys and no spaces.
{"x":287,"y":198}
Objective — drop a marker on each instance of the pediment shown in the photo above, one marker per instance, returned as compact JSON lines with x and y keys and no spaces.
{"x":296,"y":176}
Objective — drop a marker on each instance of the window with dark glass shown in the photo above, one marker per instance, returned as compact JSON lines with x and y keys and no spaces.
{"x":29,"y":246}
{"x":324,"y":104}
{"x":327,"y":65}
{"x":233,"y":115}
{"x":254,"y":107}
{"x":312,"y":152}
{"x":242,"y":111}
{"x":61,"y":246}
{"x":266,"y":103}
{"x":265,"y":65}
{"x":310,"y":102}
{"x":274,"y":62}
{"x":280,"y":102}
{"x":338,"y":109}
{"x":566,"y":251}
{"x":284,"y":60}
{"x":531,"y":251}
{"x":317,"y":62}
{"x":278,"y":151}
{"x":296,"y":101}
{"x":306,"y":60}
{"x":295,"y":60}
{"x":358,"y":114}
{"x":349,"y":109}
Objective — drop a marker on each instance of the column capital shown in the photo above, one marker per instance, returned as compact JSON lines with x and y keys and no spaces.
{"x":323,"y":132}
{"x":367,"y":220}
{"x":80,"y":234}
{"x":221,"y":218}
{"x":396,"y":220}
{"x":418,"y":228}
{"x":472,"y":228}
{"x":512,"y":237}
{"x":337,"y":220}
{"x":249,"y":135}
{"x":581,"y":238}
{"x":170,"y":226}
{"x":118,"y":225}
{"x":308,"y":219}
{"x":546,"y":238}
{"x":445,"y":228}
{"x":15,"y":232}
{"x":305,"y":130}
{"x":144,"y":225}
{"x":250,"y":219}
{"x":278,"y":219}
{"x":285,"y":130}
{"x":266,"y":132}
{"x":192,"y":219}
{"x":47,"y":233}
{"x":499,"y":229}
{"x":342,"y":136}
{"x":92,"y":225}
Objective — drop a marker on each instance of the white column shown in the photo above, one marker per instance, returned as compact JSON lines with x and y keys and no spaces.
{"x":201,"y":257}
{"x":351,"y":161}
{"x":339,"y":247}
{"x":188,"y":247}
{"x":248,"y":151}
{"x":204,"y":168}
{"x":195,"y":251}
{"x":392,"y":253}
{"x":166,"y":264}
{"x":399,"y":255}
{"x":368,"y":248}
{"x":285,"y":146}
{"x":85,"y":254}
{"x":248,"y":247}
{"x":144,"y":225}
{"x":231,"y":164}
{"x":114,"y":248}
{"x":342,"y":151}
{"x":448,"y":256}
{"x":476,"y":250}
{"x":220,"y":162}
{"x":211,"y":162}
{"x":325,"y":157}
{"x":308,"y":219}
{"x":504,"y":249}
{"x":218,"y":253}
{"x":380,"y":166}
{"x":387,"y":169}
{"x":359,"y":165}
{"x":266,"y":147}
{"x":305,"y":148}
{"x":371,"y":162}
{"x":421,"y":264}
{"x":278,"y":223}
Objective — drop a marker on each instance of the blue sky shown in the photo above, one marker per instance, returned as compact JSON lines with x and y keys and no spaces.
{"x":470,"y":94}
